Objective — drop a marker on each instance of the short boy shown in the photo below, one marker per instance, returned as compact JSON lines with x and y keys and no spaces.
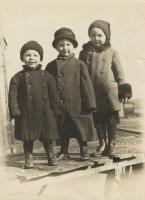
{"x":33,"y":104}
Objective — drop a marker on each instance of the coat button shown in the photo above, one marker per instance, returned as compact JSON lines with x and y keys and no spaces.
{"x":60,"y":75}
{"x":42,"y":73}
{"x":30,"y":97}
{"x":29,"y":86}
{"x":43,"y":85}
{"x":60,"y":88}
{"x":61,"y":101}
{"x":28,"y":74}
{"x":102,"y":71}
{"x":45,"y":97}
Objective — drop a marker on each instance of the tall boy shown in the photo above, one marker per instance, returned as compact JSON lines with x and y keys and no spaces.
{"x":75,"y":91}
{"x":109,"y":84}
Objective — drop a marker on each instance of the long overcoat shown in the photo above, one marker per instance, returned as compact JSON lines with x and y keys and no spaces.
{"x":33,"y":105}
{"x":106,"y":73}
{"x":76,"y":94}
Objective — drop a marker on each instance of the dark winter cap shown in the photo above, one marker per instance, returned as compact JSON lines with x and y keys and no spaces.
{"x":31,"y":45}
{"x":64,"y":33}
{"x":103,"y":25}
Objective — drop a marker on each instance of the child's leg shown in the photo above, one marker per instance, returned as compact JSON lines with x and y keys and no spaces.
{"x":28,"y":150}
{"x":64,"y":148}
{"x":101,"y":133}
{"x":100,"y":124}
{"x":49,"y":149}
{"x":112,"y":130}
{"x":83,"y":149}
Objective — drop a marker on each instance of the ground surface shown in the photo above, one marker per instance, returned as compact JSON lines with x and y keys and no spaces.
{"x":70,"y":183}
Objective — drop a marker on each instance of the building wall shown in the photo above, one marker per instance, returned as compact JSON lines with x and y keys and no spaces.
{"x":5,"y":131}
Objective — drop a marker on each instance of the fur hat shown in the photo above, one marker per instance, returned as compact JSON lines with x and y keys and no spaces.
{"x":64,"y":33}
{"x":103,"y":25}
{"x":31,"y":45}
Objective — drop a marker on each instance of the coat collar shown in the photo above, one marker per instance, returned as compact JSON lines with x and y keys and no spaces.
{"x":90,"y":47}
{"x":26,"y":68}
{"x":59,"y":57}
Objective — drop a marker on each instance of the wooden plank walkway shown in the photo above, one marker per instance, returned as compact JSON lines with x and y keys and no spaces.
{"x":130,"y":151}
{"x":101,"y":164}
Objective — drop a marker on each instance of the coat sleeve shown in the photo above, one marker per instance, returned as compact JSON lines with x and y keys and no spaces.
{"x":117,"y":69}
{"x":87,"y":91}
{"x":81,"y":56}
{"x":53,"y":95}
{"x":13,"y":104}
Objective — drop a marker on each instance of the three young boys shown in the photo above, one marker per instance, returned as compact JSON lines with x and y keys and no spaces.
{"x":64,"y":96}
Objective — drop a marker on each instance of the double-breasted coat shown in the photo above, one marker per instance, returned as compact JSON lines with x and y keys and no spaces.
{"x":33,"y":104}
{"x":76,"y":95}
{"x":106,"y":73}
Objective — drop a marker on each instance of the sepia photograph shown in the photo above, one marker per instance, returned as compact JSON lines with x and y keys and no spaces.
{"x":72,"y":102}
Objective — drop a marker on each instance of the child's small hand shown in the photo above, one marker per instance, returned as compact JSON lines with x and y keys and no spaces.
{"x":16,"y":116}
{"x":124,"y":100}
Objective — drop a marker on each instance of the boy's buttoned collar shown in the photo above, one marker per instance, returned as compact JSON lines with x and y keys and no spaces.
{"x":26,"y":68}
{"x":90,"y":46}
{"x":60,"y":57}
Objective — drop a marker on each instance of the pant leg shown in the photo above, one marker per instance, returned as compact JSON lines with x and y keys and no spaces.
{"x":101,"y":132}
{"x":83,"y":147}
{"x":112,"y":128}
{"x":28,"y":150}
{"x":64,"y":144}
{"x":65,"y":133}
{"x":28,"y":146}
{"x":48,"y":146}
{"x":49,"y":149}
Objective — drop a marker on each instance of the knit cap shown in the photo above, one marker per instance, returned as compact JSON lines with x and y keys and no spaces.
{"x":64,"y":33}
{"x":31,"y":45}
{"x":103,"y":25}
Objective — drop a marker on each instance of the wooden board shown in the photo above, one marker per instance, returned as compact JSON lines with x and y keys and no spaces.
{"x":101,"y":164}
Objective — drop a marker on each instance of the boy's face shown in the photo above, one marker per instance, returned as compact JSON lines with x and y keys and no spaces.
{"x":64,"y":47}
{"x":31,"y":58}
{"x":97,"y":37}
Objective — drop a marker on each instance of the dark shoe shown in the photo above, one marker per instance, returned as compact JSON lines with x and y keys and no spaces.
{"x":111,"y":149}
{"x":52,"y":159}
{"x":100,"y":150}
{"x":84,"y":153}
{"x":28,"y":161}
{"x":105,"y":152}
{"x":62,"y":156}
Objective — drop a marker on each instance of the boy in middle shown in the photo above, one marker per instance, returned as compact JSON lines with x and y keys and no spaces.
{"x":75,"y":91}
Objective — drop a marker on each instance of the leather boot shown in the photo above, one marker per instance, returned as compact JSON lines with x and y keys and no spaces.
{"x":63,"y":154}
{"x":28,"y":149}
{"x":52,"y":159}
{"x":111,"y":148}
{"x":84,"y":153}
{"x":101,"y":132}
{"x":49,"y":149}
{"x":28,"y":161}
{"x":111,"y":129}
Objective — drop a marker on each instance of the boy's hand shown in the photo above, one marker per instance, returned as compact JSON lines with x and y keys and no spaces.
{"x":16,"y":116}
{"x":124,"y":100}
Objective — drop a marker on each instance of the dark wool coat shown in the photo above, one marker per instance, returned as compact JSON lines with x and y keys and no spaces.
{"x":76,"y":94}
{"x":32,"y":101}
{"x":106,"y":73}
